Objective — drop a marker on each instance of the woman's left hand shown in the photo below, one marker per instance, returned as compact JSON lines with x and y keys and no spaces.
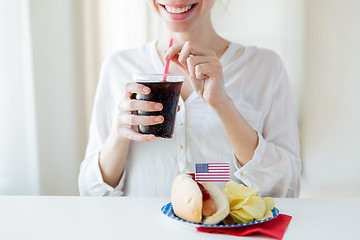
{"x":203,"y":69}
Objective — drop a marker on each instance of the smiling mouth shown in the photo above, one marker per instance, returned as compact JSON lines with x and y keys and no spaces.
{"x":178,"y":10}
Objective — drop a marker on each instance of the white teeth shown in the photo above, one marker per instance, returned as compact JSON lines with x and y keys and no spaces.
{"x":177,"y":10}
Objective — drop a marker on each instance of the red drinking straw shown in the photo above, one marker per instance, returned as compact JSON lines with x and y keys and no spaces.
{"x":167,"y":64}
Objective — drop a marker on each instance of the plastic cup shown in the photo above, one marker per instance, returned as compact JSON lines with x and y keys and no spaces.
{"x":167,"y":93}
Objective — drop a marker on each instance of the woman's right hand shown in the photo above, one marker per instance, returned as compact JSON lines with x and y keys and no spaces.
{"x":127,"y":122}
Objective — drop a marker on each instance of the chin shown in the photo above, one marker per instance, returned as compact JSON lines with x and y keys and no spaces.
{"x":179,"y":27}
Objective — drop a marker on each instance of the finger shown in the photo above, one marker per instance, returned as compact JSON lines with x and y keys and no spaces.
{"x":133,"y":87}
{"x":130,"y":119}
{"x":183,"y":55}
{"x":135,"y":136}
{"x":193,"y":61}
{"x":194,"y":50}
{"x":176,"y":61}
{"x":139,"y":105}
{"x":206,"y":70}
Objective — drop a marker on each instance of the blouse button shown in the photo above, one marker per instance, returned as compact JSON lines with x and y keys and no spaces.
{"x":181,"y":124}
{"x":181,"y":147}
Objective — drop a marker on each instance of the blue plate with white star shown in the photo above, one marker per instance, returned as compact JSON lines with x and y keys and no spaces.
{"x":167,"y":209}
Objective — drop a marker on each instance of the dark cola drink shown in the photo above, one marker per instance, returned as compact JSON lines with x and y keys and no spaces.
{"x":164,"y":91}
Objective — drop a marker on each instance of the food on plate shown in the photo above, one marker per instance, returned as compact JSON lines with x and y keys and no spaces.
{"x":245,"y":204}
{"x":198,"y":202}
{"x":205,"y":203}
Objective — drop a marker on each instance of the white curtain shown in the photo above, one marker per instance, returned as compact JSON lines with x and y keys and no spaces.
{"x":42,"y":121}
{"x":19,"y":162}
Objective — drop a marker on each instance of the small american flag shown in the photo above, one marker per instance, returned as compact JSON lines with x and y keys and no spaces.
{"x":212,"y":172}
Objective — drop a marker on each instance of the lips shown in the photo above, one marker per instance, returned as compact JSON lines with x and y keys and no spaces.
{"x":178,"y":11}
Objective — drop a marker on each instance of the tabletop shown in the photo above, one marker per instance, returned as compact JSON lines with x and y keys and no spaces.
{"x":41,"y":217}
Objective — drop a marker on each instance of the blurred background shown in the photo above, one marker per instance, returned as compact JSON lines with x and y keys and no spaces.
{"x":51,"y":53}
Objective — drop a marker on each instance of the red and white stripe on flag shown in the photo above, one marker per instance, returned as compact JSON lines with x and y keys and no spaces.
{"x":212,"y":172}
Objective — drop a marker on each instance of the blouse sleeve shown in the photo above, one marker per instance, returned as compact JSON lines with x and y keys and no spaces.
{"x":90,"y":178}
{"x":275,"y":167}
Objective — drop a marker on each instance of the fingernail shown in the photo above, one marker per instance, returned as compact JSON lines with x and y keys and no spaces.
{"x":151,"y":137}
{"x":158,"y":106}
{"x":158,"y":119}
{"x":146,"y":90}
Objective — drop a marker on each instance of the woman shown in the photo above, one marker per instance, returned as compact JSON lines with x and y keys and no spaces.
{"x":235,"y":107}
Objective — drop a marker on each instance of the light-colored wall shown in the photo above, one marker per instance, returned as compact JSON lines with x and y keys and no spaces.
{"x":331,"y":99}
{"x":277,"y":25}
{"x":91,"y":51}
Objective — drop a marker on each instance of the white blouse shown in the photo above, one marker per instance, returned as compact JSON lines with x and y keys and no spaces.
{"x":258,"y":84}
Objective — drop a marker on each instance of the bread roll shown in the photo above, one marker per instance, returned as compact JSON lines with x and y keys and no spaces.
{"x":186,"y":198}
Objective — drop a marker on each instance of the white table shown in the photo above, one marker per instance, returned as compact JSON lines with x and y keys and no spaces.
{"x":53,"y":218}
